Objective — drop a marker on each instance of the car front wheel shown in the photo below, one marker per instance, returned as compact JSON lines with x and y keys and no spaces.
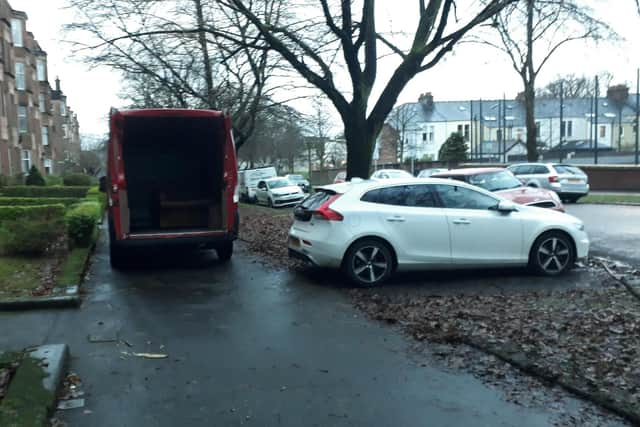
{"x":369,"y":262}
{"x":552,"y":254}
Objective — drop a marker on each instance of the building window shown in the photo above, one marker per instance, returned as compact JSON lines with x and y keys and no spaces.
{"x":16,"y":32}
{"x":63,"y":108}
{"x":23,"y":123}
{"x":45,"y":135}
{"x":424,"y":136}
{"x":41,"y":69}
{"x":20,"y":82}
{"x":48,"y":166}
{"x":603,"y":131}
{"x":537,"y":129}
{"x":567,"y":128}
{"x":431,"y":132}
{"x":65,"y":131}
{"x":26,"y":161}
{"x":466,"y":132}
{"x":42,"y":103}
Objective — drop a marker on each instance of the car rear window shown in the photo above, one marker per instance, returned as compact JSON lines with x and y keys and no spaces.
{"x":304,"y":210}
{"x":568,"y":169}
{"x":540,"y":170}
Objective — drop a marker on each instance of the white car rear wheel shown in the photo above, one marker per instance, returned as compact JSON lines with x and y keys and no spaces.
{"x":369,"y":262}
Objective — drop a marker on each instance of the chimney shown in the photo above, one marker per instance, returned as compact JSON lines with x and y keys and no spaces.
{"x":426,"y":100}
{"x":57,"y":84}
{"x":618,"y":94}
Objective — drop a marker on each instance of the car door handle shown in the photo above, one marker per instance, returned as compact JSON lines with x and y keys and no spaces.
{"x":395,"y":219}
{"x":461,"y":221}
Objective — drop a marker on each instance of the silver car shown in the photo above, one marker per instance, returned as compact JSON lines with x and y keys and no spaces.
{"x":568,"y":181}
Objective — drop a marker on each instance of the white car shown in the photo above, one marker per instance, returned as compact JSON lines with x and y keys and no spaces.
{"x":372,"y":228}
{"x":391,"y":174}
{"x":278,"y":191}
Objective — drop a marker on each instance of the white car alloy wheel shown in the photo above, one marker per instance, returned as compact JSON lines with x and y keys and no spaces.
{"x":369,"y":262}
{"x":553,"y":254}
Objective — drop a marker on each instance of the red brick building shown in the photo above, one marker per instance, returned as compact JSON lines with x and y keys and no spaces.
{"x":36,"y":126}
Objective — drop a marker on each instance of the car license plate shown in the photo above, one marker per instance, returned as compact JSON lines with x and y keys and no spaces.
{"x":575,"y":180}
{"x":294,"y":242}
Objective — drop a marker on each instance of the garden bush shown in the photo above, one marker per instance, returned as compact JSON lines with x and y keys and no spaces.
{"x":53,"y":180}
{"x":27,"y":191}
{"x":35,"y":201}
{"x":78,"y":179}
{"x":35,"y":177}
{"x":81,"y":220}
{"x":36,"y":213}
{"x":27,"y":236}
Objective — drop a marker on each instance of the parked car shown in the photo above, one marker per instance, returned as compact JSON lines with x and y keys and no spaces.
{"x":300,"y":181}
{"x":340,"y":177}
{"x":426,"y":173}
{"x":370,"y":229}
{"x":503,"y":183}
{"x":568,"y":181}
{"x":391,"y":174}
{"x":164,"y":193}
{"x":249,"y":179}
{"x":278,"y":191}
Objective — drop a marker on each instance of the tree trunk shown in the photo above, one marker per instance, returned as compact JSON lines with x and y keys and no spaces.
{"x":530,"y":106}
{"x":208,"y":72}
{"x":360,"y":143}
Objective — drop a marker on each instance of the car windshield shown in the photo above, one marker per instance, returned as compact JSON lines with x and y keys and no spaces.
{"x":495,"y":181}
{"x":296,"y":178}
{"x":279,"y":183}
{"x":399,"y":174}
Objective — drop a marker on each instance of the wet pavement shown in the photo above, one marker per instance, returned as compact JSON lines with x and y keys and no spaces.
{"x":251,"y":345}
{"x":614,"y":230}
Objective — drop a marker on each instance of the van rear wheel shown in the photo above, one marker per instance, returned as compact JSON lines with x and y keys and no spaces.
{"x":225,"y":251}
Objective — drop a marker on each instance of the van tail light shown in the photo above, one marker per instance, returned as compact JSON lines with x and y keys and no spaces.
{"x":327,"y":214}
{"x":553,"y":178}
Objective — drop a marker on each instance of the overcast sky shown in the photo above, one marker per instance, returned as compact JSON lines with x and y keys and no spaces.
{"x":471,"y":72}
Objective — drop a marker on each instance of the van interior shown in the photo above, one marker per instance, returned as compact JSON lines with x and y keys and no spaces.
{"x":174,"y":169}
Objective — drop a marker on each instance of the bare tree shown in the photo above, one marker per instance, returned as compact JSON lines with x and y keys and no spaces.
{"x":530,"y":32}
{"x":401,"y":119}
{"x":318,"y":39}
{"x":574,"y":86}
{"x":318,"y":128}
{"x":169,"y":55}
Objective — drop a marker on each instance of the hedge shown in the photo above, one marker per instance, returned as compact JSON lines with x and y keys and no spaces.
{"x":30,"y":191}
{"x":35,"y":201}
{"x":42,"y":212}
{"x":94,"y":193}
{"x":81,"y":221}
{"x":29,"y":236}
{"x":78,"y":179}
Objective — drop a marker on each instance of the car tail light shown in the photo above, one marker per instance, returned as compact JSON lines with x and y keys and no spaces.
{"x":553,"y":178}
{"x":325,"y":213}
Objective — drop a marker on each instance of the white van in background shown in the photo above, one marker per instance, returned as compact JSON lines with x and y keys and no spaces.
{"x":248,"y":180}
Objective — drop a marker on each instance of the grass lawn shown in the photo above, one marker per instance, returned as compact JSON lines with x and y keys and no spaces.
{"x":611,"y":198}
{"x":20,"y":275}
{"x":73,"y":267}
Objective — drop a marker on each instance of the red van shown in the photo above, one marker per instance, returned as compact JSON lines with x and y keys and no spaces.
{"x":171,"y":180}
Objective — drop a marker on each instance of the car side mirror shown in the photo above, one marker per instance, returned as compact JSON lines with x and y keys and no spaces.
{"x":506,"y":206}
{"x":102,"y":184}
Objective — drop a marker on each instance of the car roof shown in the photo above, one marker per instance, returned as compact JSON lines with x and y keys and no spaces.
{"x":467,"y":171}
{"x":274,"y":178}
{"x":391,"y":170}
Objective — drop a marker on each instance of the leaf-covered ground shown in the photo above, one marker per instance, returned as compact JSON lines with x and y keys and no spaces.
{"x":586,"y":337}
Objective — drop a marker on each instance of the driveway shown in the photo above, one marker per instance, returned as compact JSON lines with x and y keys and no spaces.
{"x":614,"y":230}
{"x":246,"y":344}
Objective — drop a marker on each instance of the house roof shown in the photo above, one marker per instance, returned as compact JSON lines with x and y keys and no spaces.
{"x":460,"y":111}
